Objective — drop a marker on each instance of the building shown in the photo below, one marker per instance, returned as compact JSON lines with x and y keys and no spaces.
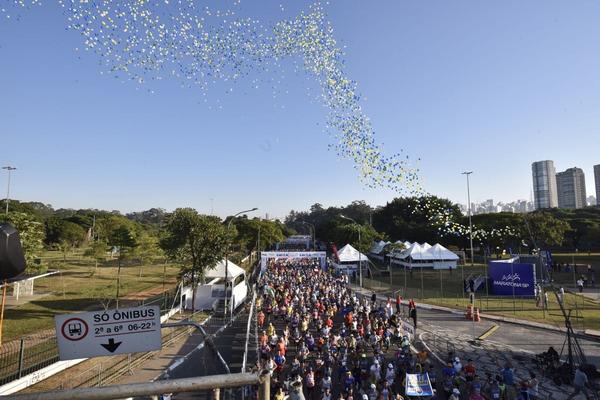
{"x":597,"y":179}
{"x":544,"y":184}
{"x":591,"y":201}
{"x":570,"y":185}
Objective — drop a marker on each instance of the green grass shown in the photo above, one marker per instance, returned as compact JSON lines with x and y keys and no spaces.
{"x":79,"y":288}
{"x":445,"y":289}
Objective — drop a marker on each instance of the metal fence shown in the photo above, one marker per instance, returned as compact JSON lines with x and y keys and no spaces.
{"x":34,"y":352}
{"x":214,"y":384}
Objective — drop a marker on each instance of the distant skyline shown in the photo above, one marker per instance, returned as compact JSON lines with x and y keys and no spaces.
{"x":483,"y":87}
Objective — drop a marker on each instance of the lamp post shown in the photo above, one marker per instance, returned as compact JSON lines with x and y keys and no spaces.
{"x":314,"y":232}
{"x":467,"y":173}
{"x":9,"y":169}
{"x":360,"y":278}
{"x":226,"y":256}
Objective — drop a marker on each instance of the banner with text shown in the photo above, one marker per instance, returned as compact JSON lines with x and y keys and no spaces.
{"x":418,"y":385}
{"x":508,"y":278}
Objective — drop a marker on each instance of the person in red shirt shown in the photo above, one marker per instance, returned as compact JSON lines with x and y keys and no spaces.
{"x":329,"y":322}
{"x":281,"y":347}
{"x":469,"y":370}
{"x":263,"y":338}
{"x":398,"y":303}
{"x":261,"y":319}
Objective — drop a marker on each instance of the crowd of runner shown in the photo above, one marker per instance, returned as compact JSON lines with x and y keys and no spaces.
{"x":321,"y":341}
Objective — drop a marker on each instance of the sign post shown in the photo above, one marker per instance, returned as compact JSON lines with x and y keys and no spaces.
{"x":106,"y":333}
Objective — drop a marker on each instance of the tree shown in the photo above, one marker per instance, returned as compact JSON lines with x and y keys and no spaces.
{"x":148,"y":249}
{"x":70,"y":235}
{"x":31,"y":232}
{"x":124,"y":240}
{"x":348,"y":233}
{"x":544,"y":229}
{"x":197,"y":241}
{"x":97,"y":250}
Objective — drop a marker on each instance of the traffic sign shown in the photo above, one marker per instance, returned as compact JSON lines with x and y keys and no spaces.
{"x":106,"y":333}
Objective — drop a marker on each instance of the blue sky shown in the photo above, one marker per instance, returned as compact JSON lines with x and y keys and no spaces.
{"x":464,"y":85}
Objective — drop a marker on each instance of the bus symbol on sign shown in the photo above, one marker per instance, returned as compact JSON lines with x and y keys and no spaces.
{"x":74,"y":329}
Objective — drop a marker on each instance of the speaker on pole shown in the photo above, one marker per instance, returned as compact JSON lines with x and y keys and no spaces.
{"x":12,"y":259}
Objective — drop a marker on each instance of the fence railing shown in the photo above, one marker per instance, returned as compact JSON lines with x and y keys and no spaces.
{"x":34,"y":352}
{"x":157,"y":388}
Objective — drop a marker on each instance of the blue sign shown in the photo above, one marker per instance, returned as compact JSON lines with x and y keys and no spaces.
{"x":508,"y":278}
{"x":418,"y":385}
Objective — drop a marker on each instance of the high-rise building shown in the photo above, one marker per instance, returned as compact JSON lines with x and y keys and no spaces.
{"x":597,"y":179}
{"x":570,"y":185}
{"x":544,"y":184}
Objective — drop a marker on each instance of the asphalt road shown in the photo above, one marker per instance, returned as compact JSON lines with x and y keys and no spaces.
{"x":532,"y":339}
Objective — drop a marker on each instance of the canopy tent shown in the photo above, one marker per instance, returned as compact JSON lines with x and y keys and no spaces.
{"x":406,"y":244}
{"x":425,"y":256}
{"x":378,"y":247}
{"x":439,"y":252}
{"x":350,"y":254}
{"x":218,"y":271}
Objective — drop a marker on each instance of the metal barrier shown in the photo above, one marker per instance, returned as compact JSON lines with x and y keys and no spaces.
{"x":157,"y":388}
{"x":250,"y":319}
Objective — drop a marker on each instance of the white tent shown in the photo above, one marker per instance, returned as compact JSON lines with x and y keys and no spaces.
{"x":378,"y":247}
{"x":439,"y":252}
{"x":218,"y":271}
{"x":350,"y":254}
{"x":425,"y":256}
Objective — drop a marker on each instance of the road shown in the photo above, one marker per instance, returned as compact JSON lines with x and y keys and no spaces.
{"x":527,"y":338}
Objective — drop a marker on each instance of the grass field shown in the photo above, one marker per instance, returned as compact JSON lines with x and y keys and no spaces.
{"x":78,"y":288}
{"x":444,"y":288}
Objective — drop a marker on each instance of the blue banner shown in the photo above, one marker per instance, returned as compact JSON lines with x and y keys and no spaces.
{"x":418,"y":385}
{"x":508,"y":278}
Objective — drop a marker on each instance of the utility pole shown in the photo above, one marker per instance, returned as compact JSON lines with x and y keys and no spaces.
{"x":470,"y":214}
{"x":467,"y":173}
{"x":227,"y":260}
{"x":9,"y":169}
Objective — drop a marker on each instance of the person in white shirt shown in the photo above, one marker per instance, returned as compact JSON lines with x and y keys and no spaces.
{"x":456,"y":364}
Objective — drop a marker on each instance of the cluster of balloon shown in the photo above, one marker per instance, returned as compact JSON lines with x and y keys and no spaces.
{"x":149,"y":40}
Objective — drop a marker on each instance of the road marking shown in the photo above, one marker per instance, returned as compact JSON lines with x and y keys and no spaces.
{"x":489,"y":332}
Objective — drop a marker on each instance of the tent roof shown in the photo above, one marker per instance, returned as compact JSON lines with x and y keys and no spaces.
{"x":378,"y":247}
{"x":350,"y":254}
{"x":218,"y":271}
{"x":427,"y":252}
{"x":439,"y":252}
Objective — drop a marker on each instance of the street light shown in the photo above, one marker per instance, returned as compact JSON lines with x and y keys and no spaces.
{"x":226,"y":256}
{"x":359,"y":253}
{"x":314,"y":232}
{"x":9,"y":169}
{"x":470,"y":225}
